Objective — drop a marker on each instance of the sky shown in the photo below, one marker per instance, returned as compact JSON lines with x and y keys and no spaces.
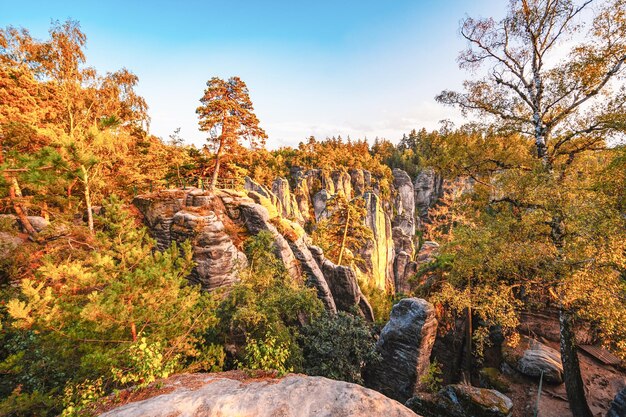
{"x":359,"y":69}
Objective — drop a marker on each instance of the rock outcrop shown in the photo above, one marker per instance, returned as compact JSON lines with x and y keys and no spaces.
{"x":428,"y":189}
{"x":228,"y":394}
{"x":378,"y":253}
{"x":404,"y":201}
{"x":158,"y":211}
{"x":462,"y":401}
{"x":531,"y":357}
{"x":216,"y":257}
{"x":405,"y":346}
{"x":344,"y":286}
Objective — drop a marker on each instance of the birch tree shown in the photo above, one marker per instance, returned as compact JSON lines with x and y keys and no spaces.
{"x":554,"y":71}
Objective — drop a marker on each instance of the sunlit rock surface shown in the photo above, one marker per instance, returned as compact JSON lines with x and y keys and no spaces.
{"x":221,"y":395}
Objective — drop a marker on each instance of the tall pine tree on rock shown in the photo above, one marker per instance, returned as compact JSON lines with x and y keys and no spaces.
{"x":228,"y":116}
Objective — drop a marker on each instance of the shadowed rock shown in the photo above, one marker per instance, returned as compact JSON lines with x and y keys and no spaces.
{"x":462,"y":401}
{"x":344,"y":286}
{"x":531,"y":357}
{"x":618,"y":405}
{"x":405,"y":346}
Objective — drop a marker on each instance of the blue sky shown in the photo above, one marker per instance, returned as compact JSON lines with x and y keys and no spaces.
{"x":350,"y":68}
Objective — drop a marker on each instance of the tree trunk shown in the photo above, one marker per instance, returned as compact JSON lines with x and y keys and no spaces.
{"x":20,"y":212}
{"x":571,"y":368}
{"x":87,"y":198}
{"x":345,"y":235}
{"x":217,"y":165}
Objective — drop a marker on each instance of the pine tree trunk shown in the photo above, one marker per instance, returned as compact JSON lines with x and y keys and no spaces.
{"x":345,"y":236}
{"x":87,"y":198}
{"x":20,"y":212}
{"x":571,"y":368}
{"x":217,"y":165}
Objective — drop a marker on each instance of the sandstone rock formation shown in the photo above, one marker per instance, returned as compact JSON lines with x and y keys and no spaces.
{"x":216,"y":257}
{"x":531,"y":357}
{"x":405,"y":345}
{"x":462,"y":401}
{"x":378,"y":253}
{"x":428,"y":189}
{"x":219,"y":395}
{"x":344,"y":286}
{"x":404,"y":202}
{"x":158,"y":211}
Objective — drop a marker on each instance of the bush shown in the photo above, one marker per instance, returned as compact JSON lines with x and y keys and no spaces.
{"x":337,"y":347}
{"x":267,"y":354}
{"x":432,"y":379}
{"x":114,"y":305}
{"x":266,"y":305}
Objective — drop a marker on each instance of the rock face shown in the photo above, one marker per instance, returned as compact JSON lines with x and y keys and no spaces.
{"x":428,"y":189}
{"x":158,"y":211}
{"x":216,"y":257}
{"x":218,"y":395}
{"x":462,"y":401}
{"x":531,"y":357}
{"x":405,"y":345}
{"x":618,"y":405}
{"x":344,"y":286}
{"x":378,"y":253}
{"x":404,"y":202}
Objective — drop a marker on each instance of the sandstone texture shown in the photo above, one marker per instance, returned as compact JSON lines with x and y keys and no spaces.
{"x":531,"y":357}
{"x":462,"y":400}
{"x":405,"y":346}
{"x":218,"y":395}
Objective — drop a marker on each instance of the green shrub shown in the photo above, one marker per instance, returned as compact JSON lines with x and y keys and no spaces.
{"x":337,"y":347}
{"x":432,"y":379}
{"x":115,"y":305}
{"x":267,"y":354}
{"x":267,"y":304}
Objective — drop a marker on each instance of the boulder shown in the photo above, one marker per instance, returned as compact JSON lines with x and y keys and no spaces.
{"x":217,"y":260}
{"x":218,"y":395}
{"x":38,"y":222}
{"x":462,"y":400}
{"x":618,"y":405}
{"x":8,"y":243}
{"x":531,"y":357}
{"x":405,"y":345}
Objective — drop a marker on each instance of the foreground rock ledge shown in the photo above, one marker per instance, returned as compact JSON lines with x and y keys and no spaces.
{"x":230,"y":394}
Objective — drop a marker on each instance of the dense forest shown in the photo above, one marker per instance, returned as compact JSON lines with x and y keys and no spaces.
{"x":528,"y":212}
